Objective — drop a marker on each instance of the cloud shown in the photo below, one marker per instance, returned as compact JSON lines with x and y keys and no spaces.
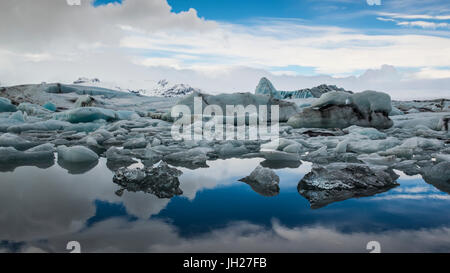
{"x":414,"y":16}
{"x":424,"y":24}
{"x":432,"y":73}
{"x":117,"y":235}
{"x":142,"y":41}
{"x":374,"y":2}
{"x":54,"y":25}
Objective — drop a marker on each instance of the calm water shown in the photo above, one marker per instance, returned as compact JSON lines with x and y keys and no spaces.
{"x":43,"y":209}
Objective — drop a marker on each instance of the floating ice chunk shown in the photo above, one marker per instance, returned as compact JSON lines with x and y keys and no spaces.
{"x":342,"y":146}
{"x":193,"y":157}
{"x":76,"y":154}
{"x":33,"y":109}
{"x":372,"y":146}
{"x":417,"y":144}
{"x":439,"y":176}
{"x":117,"y":158}
{"x":277,"y":144}
{"x":370,"y":133}
{"x":136,"y":143}
{"x":54,"y":125}
{"x":48,"y":125}
{"x":376,"y":159}
{"x":263,"y":181}
{"x":6,"y":106}
{"x":89,"y":114}
{"x":272,"y":155}
{"x":18,"y":116}
{"x":326,"y":184}
{"x":50,"y":106}
{"x":84,"y":101}
{"x":434,"y":121}
{"x":12,"y":140}
{"x":126,"y":115}
{"x":372,"y":101}
{"x":91,"y":141}
{"x":160,"y":180}
{"x":5,"y":123}
{"x":398,"y":151}
{"x":332,"y":98}
{"x":46,"y":147}
{"x":156,"y":142}
{"x":396,"y":112}
{"x":442,"y":157}
{"x":85,"y":114}
{"x":40,"y":156}
{"x":100,"y":136}
{"x":116,"y":154}
{"x":341,"y":109}
{"x":294,"y":148}
{"x":228,"y":149}
{"x":409,"y":167}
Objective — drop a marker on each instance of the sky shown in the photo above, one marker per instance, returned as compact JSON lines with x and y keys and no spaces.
{"x":401,"y":47}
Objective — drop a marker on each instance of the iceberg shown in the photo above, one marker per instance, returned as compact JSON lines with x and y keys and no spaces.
{"x":265,"y":87}
{"x":76,"y":154}
{"x":334,"y":182}
{"x":341,"y":110}
{"x":50,"y":106}
{"x":40,"y":156}
{"x":85,"y":114}
{"x":287,"y":109}
{"x":160,"y":180}
{"x":33,"y":109}
{"x":89,"y":114}
{"x":12,"y":140}
{"x":263,"y":181}
{"x":6,"y":106}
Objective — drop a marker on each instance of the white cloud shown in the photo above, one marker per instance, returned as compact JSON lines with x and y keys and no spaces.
{"x":374,"y":2}
{"x":423,"y":24}
{"x":415,"y":16}
{"x":145,"y":41}
{"x":432,"y":73}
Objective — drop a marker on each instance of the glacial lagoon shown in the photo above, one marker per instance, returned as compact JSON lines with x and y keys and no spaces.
{"x":47,"y":206}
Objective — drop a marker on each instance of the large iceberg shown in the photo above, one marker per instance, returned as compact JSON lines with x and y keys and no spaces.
{"x":340,"y":110}
{"x":265,"y":87}
{"x":287,"y":109}
{"x":326,"y":184}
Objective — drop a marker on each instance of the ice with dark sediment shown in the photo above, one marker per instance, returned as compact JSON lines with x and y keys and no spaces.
{"x":265,"y":87}
{"x":159,"y":179}
{"x":326,"y":184}
{"x":340,"y":110}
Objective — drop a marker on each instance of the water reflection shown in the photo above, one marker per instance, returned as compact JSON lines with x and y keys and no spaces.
{"x":43,"y":163}
{"x":44,"y":209}
{"x":77,"y":168}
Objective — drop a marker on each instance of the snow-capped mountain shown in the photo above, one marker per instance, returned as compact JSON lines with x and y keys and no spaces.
{"x":161,"y":89}
{"x":164,"y":89}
